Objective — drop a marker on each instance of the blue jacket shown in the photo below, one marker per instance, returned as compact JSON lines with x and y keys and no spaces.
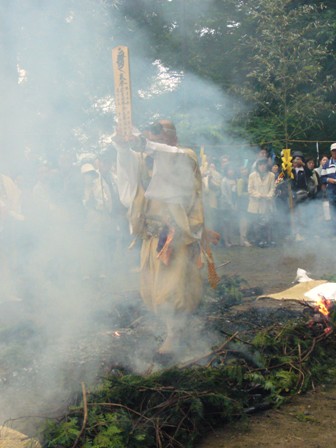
{"x":329,"y":171}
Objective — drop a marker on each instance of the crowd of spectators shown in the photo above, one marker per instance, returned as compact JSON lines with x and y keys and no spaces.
{"x":257,"y":205}
{"x":61,"y":221}
{"x":65,"y":217}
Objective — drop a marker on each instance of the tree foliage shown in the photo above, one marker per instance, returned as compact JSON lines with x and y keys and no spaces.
{"x":277,"y":57}
{"x":285,"y":78}
{"x":261,"y":70}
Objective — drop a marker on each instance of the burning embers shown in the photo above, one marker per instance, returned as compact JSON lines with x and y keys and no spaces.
{"x":324,"y":315}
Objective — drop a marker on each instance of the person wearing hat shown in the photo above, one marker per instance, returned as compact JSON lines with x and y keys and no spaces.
{"x":97,"y":202}
{"x":302,"y":188}
{"x":161,"y":185}
{"x":300,"y":181}
{"x":106,"y":167}
{"x":328,"y":178}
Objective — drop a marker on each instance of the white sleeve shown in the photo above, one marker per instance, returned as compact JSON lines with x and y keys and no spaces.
{"x":162,"y":147}
{"x":128,"y":166}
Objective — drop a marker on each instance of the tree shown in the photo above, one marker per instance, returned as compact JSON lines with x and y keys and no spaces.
{"x":64,"y":53}
{"x":196,"y":40}
{"x":285,"y":83}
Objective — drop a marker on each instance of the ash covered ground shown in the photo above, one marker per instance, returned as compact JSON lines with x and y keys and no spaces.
{"x":42,"y":366}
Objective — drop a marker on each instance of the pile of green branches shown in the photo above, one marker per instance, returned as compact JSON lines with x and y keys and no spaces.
{"x":228,"y":290}
{"x":175,"y":407}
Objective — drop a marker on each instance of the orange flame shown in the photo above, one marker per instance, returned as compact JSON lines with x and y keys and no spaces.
{"x":323,"y":306}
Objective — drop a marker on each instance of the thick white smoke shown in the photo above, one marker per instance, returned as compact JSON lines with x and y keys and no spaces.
{"x":57,"y":98}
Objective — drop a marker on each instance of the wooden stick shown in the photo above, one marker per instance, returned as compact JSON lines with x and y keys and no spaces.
{"x":222,"y":264}
{"x":122,"y":89}
{"x":84,"y":418}
{"x":214,"y":352}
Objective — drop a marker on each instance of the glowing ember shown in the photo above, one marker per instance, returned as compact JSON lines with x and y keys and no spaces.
{"x":323,"y":306}
{"x":322,"y":320}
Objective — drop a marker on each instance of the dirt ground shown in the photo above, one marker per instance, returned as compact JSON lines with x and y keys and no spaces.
{"x":309,"y":420}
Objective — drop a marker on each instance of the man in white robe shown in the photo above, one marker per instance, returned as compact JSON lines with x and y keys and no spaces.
{"x":162,"y":188}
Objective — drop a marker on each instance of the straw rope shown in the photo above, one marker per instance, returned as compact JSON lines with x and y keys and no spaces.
{"x":9,"y":438}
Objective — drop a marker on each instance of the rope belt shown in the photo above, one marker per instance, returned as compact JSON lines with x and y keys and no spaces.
{"x":152,"y":227}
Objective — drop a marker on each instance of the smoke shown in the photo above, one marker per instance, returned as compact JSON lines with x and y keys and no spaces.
{"x":67,"y":275}
{"x":51,"y":75}
{"x":64,"y":276}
